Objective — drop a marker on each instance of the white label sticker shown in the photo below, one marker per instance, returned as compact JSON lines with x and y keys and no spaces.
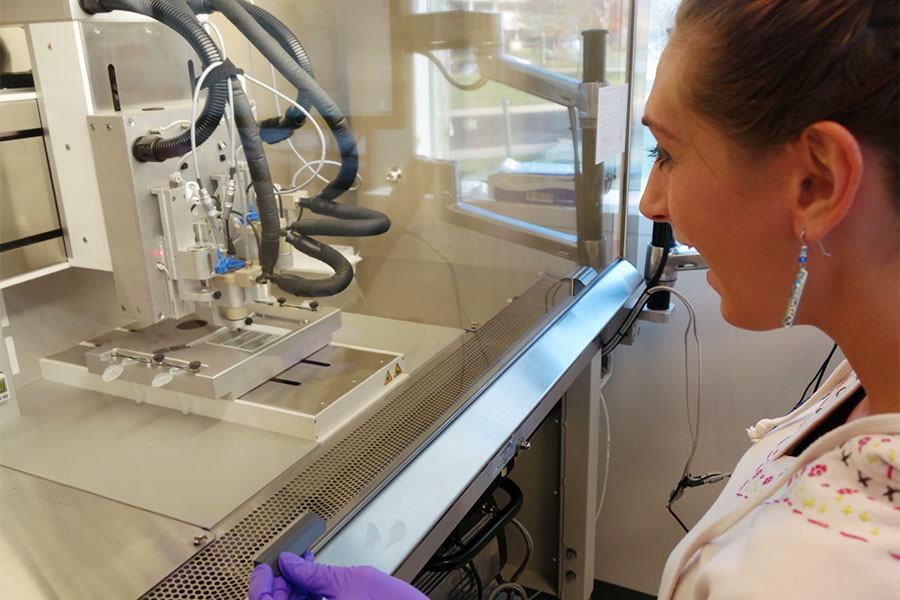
{"x":612,"y":113}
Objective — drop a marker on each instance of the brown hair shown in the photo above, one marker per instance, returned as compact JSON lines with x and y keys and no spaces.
{"x":771,"y":68}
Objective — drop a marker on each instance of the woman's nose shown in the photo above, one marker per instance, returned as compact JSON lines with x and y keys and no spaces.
{"x":653,"y":203}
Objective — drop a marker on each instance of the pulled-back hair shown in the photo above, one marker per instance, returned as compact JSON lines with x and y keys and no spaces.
{"x":767,"y":69}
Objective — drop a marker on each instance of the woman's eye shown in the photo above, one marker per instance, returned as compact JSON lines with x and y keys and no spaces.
{"x":661,"y":156}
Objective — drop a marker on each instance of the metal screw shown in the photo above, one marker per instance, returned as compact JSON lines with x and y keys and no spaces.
{"x":50,"y":46}
{"x":130,"y":122}
{"x":571,"y":576}
{"x":124,"y":308}
{"x":199,"y":538}
{"x":68,"y":147}
{"x":138,"y":309}
{"x":571,"y":554}
{"x":524,"y":445}
{"x":148,"y":30}
{"x":394,"y":175}
{"x":108,"y":127}
{"x":96,"y":31}
{"x":84,"y":239}
{"x":160,"y":315}
{"x":93,"y":127}
{"x":221,"y":145}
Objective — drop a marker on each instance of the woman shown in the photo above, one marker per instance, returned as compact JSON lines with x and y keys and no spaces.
{"x":777,"y":123}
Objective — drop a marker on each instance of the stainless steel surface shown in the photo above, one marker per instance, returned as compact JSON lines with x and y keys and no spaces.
{"x":537,"y":473}
{"x":18,"y":12}
{"x":26,"y":196}
{"x":14,"y":50}
{"x":543,"y":83}
{"x":18,"y":115}
{"x":313,"y":385}
{"x":132,"y":215}
{"x":62,"y":91}
{"x":27,"y":201}
{"x":31,"y":258}
{"x":232,"y":362}
{"x":579,"y":496}
{"x":514,"y":230}
{"x":335,"y":478}
{"x":420,"y":505}
{"x":686,"y":258}
{"x":631,"y":74}
{"x":189,"y":468}
{"x":61,"y":543}
{"x":150,"y":62}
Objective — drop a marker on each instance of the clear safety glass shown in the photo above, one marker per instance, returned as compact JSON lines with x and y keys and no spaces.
{"x":477,"y":176}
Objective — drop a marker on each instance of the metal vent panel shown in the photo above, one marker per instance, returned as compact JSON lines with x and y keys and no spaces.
{"x":333,"y":481}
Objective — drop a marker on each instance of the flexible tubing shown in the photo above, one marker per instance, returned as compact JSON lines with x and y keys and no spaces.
{"x":372,"y":221}
{"x":316,"y":288}
{"x":179,"y":19}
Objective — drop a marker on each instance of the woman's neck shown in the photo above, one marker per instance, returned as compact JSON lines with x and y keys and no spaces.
{"x":865,"y":324}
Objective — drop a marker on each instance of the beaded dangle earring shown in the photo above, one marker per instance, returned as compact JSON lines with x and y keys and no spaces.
{"x":790,"y":314}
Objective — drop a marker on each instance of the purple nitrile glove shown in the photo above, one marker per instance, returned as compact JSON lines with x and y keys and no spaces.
{"x":265,"y":586}
{"x":304,"y":579}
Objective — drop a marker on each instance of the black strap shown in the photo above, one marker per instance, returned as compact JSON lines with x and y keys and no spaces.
{"x":226,"y":70}
{"x":832,"y":421}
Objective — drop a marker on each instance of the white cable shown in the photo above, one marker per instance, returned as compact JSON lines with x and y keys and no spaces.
{"x":232,"y":130}
{"x":320,"y":163}
{"x":305,"y":163}
{"x":309,"y":117}
{"x":308,"y":165}
{"x":608,"y":451}
{"x":196,"y":101}
{"x":691,"y":328}
{"x":218,"y":33}
{"x":161,"y":130}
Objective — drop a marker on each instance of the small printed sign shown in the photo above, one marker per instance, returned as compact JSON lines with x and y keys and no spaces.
{"x":612,"y":127}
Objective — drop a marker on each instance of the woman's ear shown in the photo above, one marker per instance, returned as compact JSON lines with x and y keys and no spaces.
{"x":830,"y":165}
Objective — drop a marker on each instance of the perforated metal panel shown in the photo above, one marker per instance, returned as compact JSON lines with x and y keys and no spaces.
{"x":336,"y":479}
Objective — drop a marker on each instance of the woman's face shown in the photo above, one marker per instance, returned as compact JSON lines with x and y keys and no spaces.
{"x":730,"y":207}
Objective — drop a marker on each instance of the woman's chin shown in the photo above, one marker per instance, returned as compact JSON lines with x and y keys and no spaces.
{"x":744,"y":317}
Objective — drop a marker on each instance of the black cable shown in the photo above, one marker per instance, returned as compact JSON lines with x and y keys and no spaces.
{"x":460,"y":309}
{"x":642,"y":301}
{"x":680,"y":522}
{"x":345,"y":220}
{"x":300,"y":79}
{"x":177,"y":15}
{"x":825,"y":368}
{"x":817,"y":378}
{"x":503,"y":551}
{"x":152,"y":148}
{"x":315,"y":288}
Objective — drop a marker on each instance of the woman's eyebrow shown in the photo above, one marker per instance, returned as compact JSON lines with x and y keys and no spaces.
{"x":656,"y":127}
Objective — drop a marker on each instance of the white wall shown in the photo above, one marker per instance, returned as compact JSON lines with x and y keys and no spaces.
{"x":746,"y":376}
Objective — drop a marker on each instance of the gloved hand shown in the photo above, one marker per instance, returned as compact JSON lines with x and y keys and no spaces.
{"x":304,"y":579}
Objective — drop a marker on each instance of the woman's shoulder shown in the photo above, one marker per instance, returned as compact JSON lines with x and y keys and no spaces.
{"x":853,"y":490}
